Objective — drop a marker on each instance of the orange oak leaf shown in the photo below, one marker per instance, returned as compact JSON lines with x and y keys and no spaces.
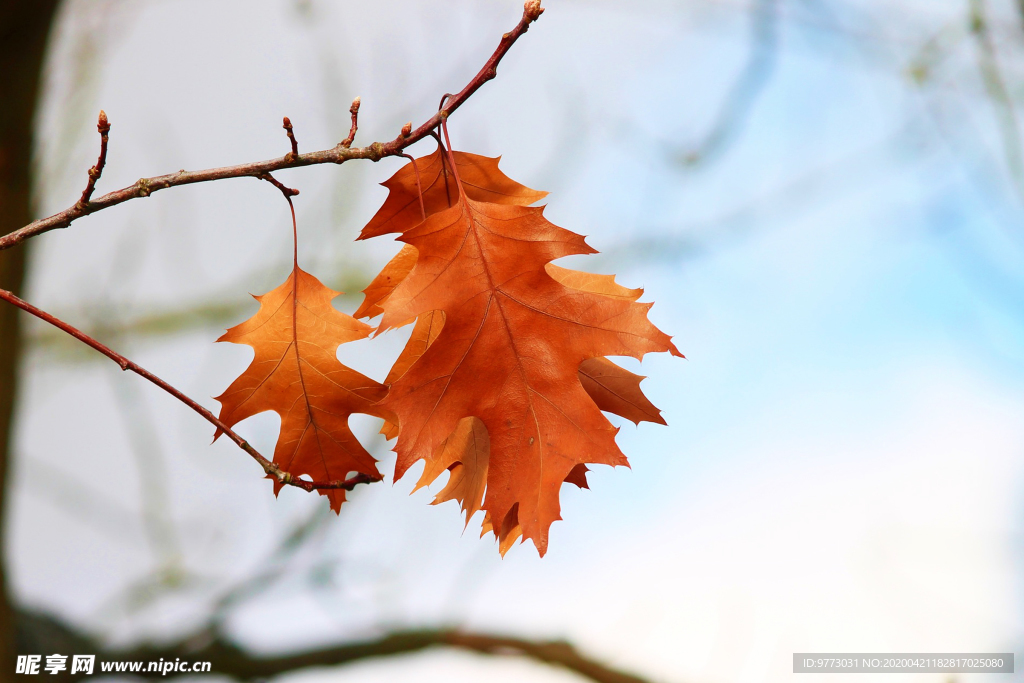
{"x":508,"y":354}
{"x":612,"y":388}
{"x":296,"y":373}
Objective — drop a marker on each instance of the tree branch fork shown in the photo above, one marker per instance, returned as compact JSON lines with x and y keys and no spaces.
{"x":338,"y":154}
{"x":261,"y":170}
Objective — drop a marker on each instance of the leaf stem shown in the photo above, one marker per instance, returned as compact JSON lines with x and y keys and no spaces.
{"x":451,"y":157}
{"x":419,"y":186}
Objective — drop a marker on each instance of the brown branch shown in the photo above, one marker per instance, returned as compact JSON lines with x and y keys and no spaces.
{"x":291,"y":156}
{"x":354,"y":111}
{"x":269,"y":467}
{"x":336,"y":155}
{"x":103,"y":126}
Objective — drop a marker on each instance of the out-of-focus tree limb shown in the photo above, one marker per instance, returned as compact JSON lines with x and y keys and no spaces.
{"x":995,"y":86}
{"x":745,"y":90}
{"x":39,"y":633}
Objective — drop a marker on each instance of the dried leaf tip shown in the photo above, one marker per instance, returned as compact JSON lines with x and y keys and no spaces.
{"x":533,"y":10}
{"x":102,"y":124}
{"x":407,"y":130}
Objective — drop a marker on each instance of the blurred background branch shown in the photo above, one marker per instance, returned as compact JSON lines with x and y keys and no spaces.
{"x":40,"y":633}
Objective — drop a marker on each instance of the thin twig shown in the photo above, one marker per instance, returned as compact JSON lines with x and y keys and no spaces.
{"x":269,"y":467}
{"x":354,"y":111}
{"x":336,"y":155}
{"x":294,"y":154}
{"x":103,"y":126}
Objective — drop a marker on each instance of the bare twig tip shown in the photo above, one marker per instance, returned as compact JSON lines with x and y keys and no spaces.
{"x":294,"y":154}
{"x":354,"y":110}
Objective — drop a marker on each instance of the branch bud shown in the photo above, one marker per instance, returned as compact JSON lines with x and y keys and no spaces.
{"x":407,"y":130}
{"x":532,"y":10}
{"x":103,"y":125}
{"x":354,"y":109}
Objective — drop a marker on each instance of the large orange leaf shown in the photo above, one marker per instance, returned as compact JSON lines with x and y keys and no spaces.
{"x":509,"y":352}
{"x":612,"y":388}
{"x":296,"y":373}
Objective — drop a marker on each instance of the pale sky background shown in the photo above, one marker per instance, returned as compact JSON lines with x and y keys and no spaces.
{"x":843,"y":469}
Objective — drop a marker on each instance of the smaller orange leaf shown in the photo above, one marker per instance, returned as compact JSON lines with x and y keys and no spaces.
{"x":296,"y":373}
